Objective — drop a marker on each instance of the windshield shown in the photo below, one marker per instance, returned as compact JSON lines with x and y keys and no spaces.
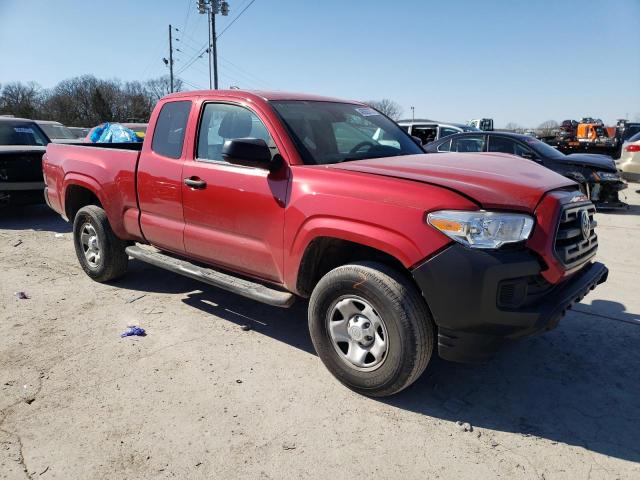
{"x":544,"y":150}
{"x":56,"y":131}
{"x":332,"y":132}
{"x":21,"y":133}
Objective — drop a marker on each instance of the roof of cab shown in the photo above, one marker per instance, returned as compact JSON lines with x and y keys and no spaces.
{"x":264,"y":95}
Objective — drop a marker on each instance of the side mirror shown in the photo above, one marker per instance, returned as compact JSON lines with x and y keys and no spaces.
{"x":250,"y":152}
{"x":529,"y":156}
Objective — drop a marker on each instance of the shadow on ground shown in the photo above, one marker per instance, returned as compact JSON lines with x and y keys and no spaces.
{"x":33,"y":217}
{"x":286,"y":325}
{"x":577,"y":385}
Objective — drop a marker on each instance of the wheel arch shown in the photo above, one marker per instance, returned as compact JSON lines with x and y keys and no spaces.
{"x":324,"y":253}
{"x":78,"y":194}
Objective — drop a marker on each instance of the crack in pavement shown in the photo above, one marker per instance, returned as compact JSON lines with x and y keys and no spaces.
{"x":29,"y":399}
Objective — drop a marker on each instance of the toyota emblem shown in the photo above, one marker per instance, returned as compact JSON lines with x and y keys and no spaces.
{"x":585,"y":224}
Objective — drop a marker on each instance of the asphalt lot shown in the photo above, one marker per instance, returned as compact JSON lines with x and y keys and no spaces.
{"x":201,"y":398}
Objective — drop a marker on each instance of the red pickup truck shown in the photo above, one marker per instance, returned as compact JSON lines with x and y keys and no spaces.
{"x":276,"y":196}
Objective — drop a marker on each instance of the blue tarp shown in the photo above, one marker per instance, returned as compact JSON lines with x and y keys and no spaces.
{"x":113,"y":133}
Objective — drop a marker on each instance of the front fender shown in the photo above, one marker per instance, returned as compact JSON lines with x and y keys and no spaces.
{"x":395,"y":243}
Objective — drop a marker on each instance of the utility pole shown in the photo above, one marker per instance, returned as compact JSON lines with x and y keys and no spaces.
{"x":413,"y":114}
{"x":170,"y":59}
{"x":212,"y":8}
{"x":209,"y":52}
{"x":213,"y":47}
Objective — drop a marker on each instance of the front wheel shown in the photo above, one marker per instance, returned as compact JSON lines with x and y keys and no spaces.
{"x":371,"y":328}
{"x":101,"y":254}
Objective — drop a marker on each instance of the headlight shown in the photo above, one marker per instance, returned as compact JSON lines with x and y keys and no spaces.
{"x":608,"y":176}
{"x":482,"y":229}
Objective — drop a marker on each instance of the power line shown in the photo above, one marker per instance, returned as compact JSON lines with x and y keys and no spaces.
{"x":235,"y":19}
{"x":186,"y":18}
{"x":205,"y":48}
{"x":197,"y":87}
{"x":193,"y":59}
{"x":246,"y":73}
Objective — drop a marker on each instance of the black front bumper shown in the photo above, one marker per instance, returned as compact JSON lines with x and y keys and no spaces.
{"x":479,"y":299}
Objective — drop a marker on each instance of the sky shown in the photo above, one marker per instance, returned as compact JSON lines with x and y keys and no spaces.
{"x":513,"y":61}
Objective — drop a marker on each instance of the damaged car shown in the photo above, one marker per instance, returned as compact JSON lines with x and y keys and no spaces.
{"x":597,"y":175}
{"x":22,"y":144}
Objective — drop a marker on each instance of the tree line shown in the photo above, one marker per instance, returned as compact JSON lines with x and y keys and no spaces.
{"x":85,"y":101}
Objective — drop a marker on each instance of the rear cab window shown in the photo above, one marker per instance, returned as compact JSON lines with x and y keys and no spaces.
{"x":168,"y":134}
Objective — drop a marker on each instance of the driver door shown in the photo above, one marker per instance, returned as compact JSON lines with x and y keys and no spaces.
{"x":233,"y":214}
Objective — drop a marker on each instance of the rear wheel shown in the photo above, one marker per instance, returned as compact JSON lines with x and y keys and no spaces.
{"x":371,"y":328}
{"x":101,"y":254}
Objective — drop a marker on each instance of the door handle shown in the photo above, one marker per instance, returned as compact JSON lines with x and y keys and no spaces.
{"x":195,"y":182}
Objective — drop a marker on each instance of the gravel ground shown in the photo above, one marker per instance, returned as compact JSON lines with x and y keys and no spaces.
{"x":200,"y":397}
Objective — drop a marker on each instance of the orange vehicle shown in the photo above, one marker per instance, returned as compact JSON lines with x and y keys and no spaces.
{"x":594,"y":134}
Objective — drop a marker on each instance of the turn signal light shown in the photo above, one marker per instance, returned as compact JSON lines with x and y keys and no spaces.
{"x":445,"y":225}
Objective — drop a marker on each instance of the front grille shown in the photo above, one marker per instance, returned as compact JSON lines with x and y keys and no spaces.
{"x":573,"y":246}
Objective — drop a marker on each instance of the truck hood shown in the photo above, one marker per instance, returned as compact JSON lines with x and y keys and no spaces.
{"x":494,"y":180}
{"x":600,"y":162}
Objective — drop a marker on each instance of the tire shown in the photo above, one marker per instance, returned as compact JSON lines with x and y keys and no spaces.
{"x":111,"y":260}
{"x":388,"y":298}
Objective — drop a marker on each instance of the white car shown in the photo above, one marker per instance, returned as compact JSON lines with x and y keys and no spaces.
{"x":629,"y":161}
{"x":428,"y":130}
{"x":57,"y":132}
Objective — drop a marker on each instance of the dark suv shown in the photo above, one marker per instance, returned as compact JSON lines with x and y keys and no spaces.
{"x":596,"y":174}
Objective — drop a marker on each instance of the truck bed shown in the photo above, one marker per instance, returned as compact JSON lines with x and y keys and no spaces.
{"x":108,"y":170}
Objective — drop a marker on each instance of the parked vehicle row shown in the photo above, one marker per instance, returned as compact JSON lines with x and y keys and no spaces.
{"x":22,"y":144}
{"x":629,"y":162}
{"x":57,"y":132}
{"x":428,"y":130}
{"x":597,"y":175}
{"x":277,"y":196}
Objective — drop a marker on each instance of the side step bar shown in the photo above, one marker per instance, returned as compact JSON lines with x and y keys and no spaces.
{"x":239,"y":286}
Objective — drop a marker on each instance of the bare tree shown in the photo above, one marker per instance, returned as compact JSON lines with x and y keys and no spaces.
{"x":514,"y":127}
{"x":546,"y":129}
{"x":390,"y":108}
{"x":137,"y":102}
{"x":20,"y":99}
{"x":86,"y":100}
{"x":161,"y":86}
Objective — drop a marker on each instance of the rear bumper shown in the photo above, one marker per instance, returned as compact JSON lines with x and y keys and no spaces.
{"x":480,"y":299}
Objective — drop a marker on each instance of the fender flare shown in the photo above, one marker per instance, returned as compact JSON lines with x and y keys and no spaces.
{"x":80,"y":180}
{"x":391,"y":242}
